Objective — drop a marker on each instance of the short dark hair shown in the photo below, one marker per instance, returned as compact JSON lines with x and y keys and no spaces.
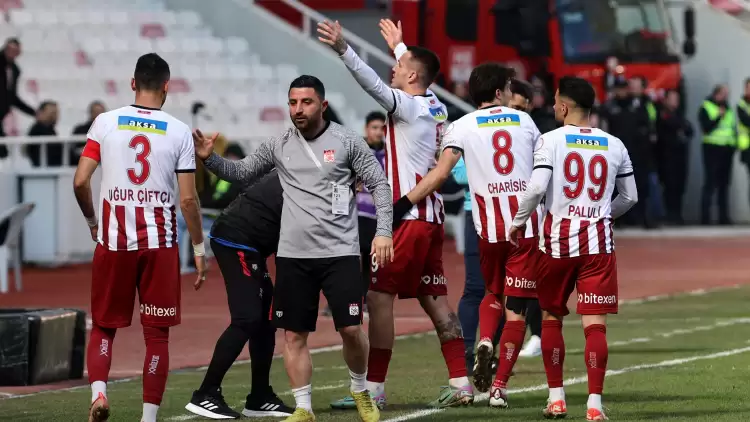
{"x":13,"y":40}
{"x":522,"y":88}
{"x":374,"y":115}
{"x":151,"y":72}
{"x":486,"y":79}
{"x":578,"y":90}
{"x":430,"y":64}
{"x":46,"y":103}
{"x":308,"y":81}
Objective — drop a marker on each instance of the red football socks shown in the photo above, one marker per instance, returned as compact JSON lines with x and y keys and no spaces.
{"x":553,"y":352}
{"x":490,"y":315}
{"x":156,"y":364}
{"x":596,"y":355}
{"x":510,"y":344}
{"x":377,"y":364}
{"x":99,"y":353}
{"x":455,"y":358}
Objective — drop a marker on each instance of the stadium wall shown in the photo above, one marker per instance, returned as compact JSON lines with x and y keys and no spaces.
{"x":711,"y":66}
{"x":277,"y":42}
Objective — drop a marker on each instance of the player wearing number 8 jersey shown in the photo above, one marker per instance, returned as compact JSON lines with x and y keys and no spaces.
{"x":497,"y":144}
{"x":578,"y":168}
{"x":140,"y":148}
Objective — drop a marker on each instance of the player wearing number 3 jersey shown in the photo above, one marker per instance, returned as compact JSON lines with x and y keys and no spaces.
{"x":577,"y":167}
{"x":497,"y":144}
{"x":139,"y":148}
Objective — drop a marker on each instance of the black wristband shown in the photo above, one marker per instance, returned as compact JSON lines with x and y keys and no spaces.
{"x":400,"y":208}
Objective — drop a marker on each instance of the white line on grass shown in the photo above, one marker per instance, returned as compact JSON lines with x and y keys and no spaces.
{"x":581,"y":380}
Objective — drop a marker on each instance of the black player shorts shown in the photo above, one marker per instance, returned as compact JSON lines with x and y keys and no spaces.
{"x":249,"y":287}
{"x":297,"y":293}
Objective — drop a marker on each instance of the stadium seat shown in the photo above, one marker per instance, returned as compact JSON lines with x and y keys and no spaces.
{"x":12,"y":220}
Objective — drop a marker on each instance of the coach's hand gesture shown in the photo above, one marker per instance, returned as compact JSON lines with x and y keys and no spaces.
{"x":204,"y":145}
{"x":330,"y":33}
{"x":382,"y":248}
{"x":392,"y":33}
{"x":515,"y":234}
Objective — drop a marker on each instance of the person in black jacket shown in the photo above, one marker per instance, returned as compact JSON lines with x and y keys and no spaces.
{"x":674,"y":133}
{"x":717,"y":159}
{"x":628,"y":120}
{"x":95,"y":108}
{"x":242,"y":238}
{"x":9,"y":81}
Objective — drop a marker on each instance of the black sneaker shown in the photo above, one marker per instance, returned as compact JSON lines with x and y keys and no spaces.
{"x":211,"y":405}
{"x":268,"y":405}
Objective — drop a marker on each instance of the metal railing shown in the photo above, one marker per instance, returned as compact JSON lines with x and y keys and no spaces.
{"x":366,"y":50}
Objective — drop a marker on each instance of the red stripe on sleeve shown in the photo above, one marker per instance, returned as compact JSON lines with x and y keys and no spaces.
{"x":91,"y":150}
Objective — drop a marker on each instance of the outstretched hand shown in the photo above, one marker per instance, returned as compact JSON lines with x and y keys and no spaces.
{"x":391,"y":32}
{"x":331,"y":34}
{"x":204,"y":145}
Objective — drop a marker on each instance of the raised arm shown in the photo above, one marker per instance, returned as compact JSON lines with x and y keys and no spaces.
{"x":246,"y":170}
{"x":388,"y":98}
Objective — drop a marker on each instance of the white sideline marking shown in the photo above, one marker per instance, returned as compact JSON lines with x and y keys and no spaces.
{"x":338,"y":347}
{"x":581,"y":380}
{"x":677,"y":332}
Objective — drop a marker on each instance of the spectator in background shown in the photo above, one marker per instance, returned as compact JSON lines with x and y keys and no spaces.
{"x":225,"y":192}
{"x":743,"y":125}
{"x":542,"y":113}
{"x":522,"y":95}
{"x":461,"y":90}
{"x":626,"y":119}
{"x":9,"y":82}
{"x":637,"y":86}
{"x":673,"y":133}
{"x":95,"y":108}
{"x":717,"y":124}
{"x":46,"y":119}
{"x":612,"y":70}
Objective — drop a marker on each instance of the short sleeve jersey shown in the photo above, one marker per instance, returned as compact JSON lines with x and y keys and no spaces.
{"x":498,"y":148}
{"x":585,"y":163}
{"x":139,"y":150}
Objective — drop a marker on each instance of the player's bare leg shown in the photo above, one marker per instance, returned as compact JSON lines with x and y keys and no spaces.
{"x":298,"y":364}
{"x":382,"y":337}
{"x":448,"y":328}
{"x":553,"y":354}
{"x":98,"y":362}
{"x":595,"y":354}
{"x":355,"y":352}
{"x":490,"y":315}
{"x":510,"y":344}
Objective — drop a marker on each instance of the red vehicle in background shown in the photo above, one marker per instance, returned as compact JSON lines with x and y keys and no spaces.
{"x":552,"y":37}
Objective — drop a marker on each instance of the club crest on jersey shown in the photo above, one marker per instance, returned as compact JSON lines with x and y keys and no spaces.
{"x":499,"y":120}
{"x":139,"y":124}
{"x":599,"y":143}
{"x":439,"y":114}
{"x":329,"y":156}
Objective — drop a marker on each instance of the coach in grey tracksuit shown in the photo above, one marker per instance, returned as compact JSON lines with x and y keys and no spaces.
{"x":319,"y":243}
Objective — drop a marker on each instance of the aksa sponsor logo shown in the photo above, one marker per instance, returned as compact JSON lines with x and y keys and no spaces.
{"x":520,"y":283}
{"x":435,"y":279}
{"x":594,"y":299}
{"x":152,"y":310}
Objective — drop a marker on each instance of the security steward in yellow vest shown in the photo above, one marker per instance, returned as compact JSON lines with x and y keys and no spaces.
{"x":743,"y":125}
{"x":718,"y":124}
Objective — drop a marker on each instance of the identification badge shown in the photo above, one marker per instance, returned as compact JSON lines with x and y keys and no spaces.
{"x":340,"y":200}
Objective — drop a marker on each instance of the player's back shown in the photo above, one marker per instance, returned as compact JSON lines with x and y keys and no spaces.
{"x":498,"y":147}
{"x":586,"y":163}
{"x":141,"y":150}
{"x":413,"y":135}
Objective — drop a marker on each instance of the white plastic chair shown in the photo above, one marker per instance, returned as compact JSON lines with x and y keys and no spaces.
{"x":14,"y":218}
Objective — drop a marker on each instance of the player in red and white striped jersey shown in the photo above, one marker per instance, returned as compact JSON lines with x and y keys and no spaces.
{"x":413,"y":133}
{"x":497,"y":143}
{"x":139,"y":148}
{"x":578,"y":167}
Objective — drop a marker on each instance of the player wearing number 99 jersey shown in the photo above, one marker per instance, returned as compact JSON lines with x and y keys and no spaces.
{"x":578,"y":168}
{"x":140,"y":148}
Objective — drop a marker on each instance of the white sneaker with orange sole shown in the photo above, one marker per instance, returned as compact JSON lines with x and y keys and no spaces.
{"x":594,"y":414}
{"x":555,"y":410}
{"x":99,"y":411}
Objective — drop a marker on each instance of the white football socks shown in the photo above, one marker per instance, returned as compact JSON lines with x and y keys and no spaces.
{"x":556,"y":394}
{"x":460,"y":382}
{"x":358,"y":382}
{"x":594,"y":402}
{"x":149,"y":412}
{"x":303,"y":397}
{"x":375,"y":388}
{"x":96,"y":388}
